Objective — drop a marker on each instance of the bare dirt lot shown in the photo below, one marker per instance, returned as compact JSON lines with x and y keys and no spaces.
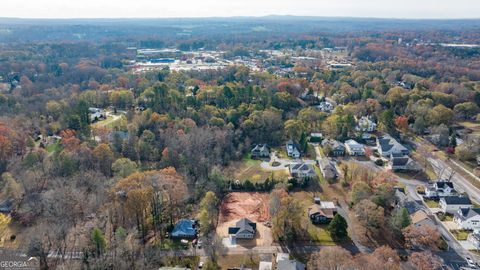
{"x":251,"y":205}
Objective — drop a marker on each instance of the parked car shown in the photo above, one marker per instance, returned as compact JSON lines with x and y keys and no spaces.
{"x":470,"y":262}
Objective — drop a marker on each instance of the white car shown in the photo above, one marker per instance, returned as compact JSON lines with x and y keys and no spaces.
{"x":470,"y":262}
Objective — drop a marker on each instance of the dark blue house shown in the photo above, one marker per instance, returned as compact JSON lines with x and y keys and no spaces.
{"x":185,"y":228}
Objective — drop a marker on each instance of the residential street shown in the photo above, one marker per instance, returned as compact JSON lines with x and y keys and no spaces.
{"x":454,"y":257}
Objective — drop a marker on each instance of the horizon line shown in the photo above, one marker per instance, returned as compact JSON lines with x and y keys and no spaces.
{"x":240,"y":17}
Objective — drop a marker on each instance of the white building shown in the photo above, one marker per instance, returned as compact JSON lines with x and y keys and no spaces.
{"x":440,"y":189}
{"x":365,"y":124}
{"x":474,"y":239}
{"x":451,"y":204}
{"x":326,"y":106}
{"x":354,"y":148}
{"x":293,"y":150}
{"x":468,"y":218}
{"x":388,"y":146}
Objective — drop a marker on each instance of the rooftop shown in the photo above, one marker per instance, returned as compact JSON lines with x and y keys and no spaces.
{"x":456,"y":200}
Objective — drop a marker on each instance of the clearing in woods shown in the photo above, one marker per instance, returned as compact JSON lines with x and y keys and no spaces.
{"x":251,"y":205}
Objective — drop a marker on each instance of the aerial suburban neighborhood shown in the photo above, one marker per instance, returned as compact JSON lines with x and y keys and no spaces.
{"x":262,"y":143}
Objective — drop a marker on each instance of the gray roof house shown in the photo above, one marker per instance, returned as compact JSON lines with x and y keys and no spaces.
{"x":293,"y":149}
{"x":260,"y":151}
{"x":468,"y":218}
{"x":336,"y":148}
{"x":322,"y":212}
{"x":387,"y":146}
{"x":354,"y":148}
{"x":451,"y":204}
{"x":328,"y":169}
{"x":420,"y":218}
{"x":440,"y":189}
{"x":96,"y":114}
{"x":474,"y":239}
{"x":400,"y":162}
{"x":302,"y":170}
{"x":290,"y":265}
{"x":244,"y":229}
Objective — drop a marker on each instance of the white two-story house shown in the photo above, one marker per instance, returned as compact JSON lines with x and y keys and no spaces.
{"x":468,"y":218}
{"x":451,"y":204}
{"x":293,"y":150}
{"x":440,"y":189}
{"x":354,"y":148}
{"x":365,"y":124}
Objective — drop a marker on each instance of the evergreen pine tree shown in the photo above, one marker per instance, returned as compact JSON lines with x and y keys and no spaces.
{"x":338,"y":227}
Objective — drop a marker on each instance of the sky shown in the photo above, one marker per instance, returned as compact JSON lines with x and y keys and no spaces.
{"x":228,"y":8}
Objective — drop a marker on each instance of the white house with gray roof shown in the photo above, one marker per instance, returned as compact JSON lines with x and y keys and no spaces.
{"x":302,"y":170}
{"x":260,"y":151}
{"x":403,"y":163}
{"x":244,"y":229}
{"x":293,"y":149}
{"x":451,"y":204}
{"x":440,"y":189}
{"x":354,"y":148}
{"x":388,"y":146}
{"x":468,"y":218}
{"x":328,"y":169}
{"x":336,"y":148}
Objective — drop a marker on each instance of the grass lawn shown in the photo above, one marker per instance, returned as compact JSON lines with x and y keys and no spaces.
{"x":320,"y":235}
{"x":54,"y":147}
{"x":473,"y":125}
{"x":250,"y":169}
{"x":311,"y":151}
{"x":429,"y":171}
{"x":319,"y":175}
{"x":445,"y":217}
{"x":189,"y":262}
{"x":461,"y":235}
{"x":442,"y":244}
{"x":174,"y":244}
{"x":234,"y":261}
{"x":431,"y":203}
{"x":281,"y":152}
{"x":474,"y":251}
{"x":111,"y":121}
{"x":317,"y":234}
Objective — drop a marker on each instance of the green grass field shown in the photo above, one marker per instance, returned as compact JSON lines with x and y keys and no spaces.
{"x":250,"y":169}
{"x":112,"y":122}
{"x":472,"y":125}
{"x":460,"y":235}
{"x":54,"y":147}
{"x":320,"y":235}
{"x":431,"y":203}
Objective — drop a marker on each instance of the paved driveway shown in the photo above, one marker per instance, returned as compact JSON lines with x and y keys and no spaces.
{"x":284,"y":163}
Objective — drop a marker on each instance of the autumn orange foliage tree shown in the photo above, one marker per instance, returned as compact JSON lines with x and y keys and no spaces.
{"x":151,"y":199}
